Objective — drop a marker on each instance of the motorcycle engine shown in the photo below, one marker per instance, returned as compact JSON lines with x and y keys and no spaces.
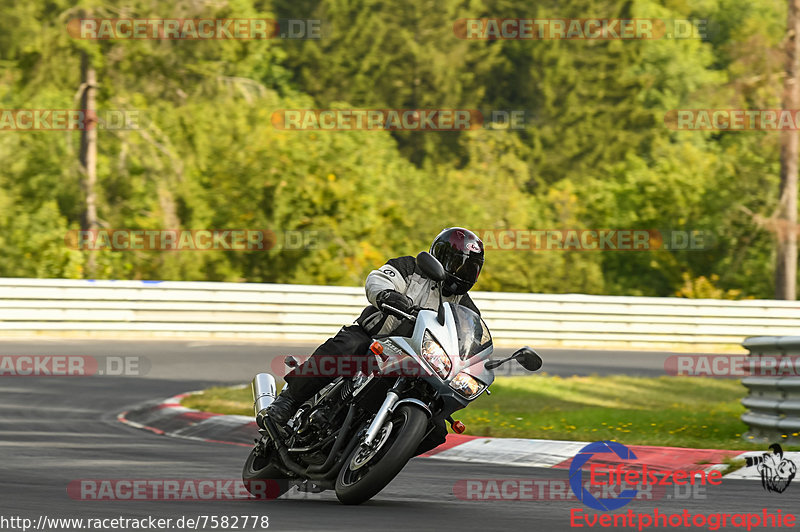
{"x":312,"y":429}
{"x":317,"y":425}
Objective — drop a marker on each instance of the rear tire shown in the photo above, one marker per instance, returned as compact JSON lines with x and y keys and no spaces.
{"x":354,"y":486}
{"x":262,"y":479}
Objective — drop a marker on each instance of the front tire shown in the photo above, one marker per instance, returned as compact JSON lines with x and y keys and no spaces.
{"x":262,"y":479}
{"x":359,"y":480}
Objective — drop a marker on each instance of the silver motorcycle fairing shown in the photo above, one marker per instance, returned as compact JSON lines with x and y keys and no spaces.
{"x":447,"y":336}
{"x":403,"y":349}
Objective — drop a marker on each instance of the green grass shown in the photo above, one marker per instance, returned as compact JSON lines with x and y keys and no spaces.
{"x":732,"y":464}
{"x":672,"y":411}
{"x":236,"y":400}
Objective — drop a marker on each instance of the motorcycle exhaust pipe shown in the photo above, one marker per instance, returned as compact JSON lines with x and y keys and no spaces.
{"x":263,"y":388}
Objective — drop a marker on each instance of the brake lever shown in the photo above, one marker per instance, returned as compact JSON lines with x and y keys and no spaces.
{"x":398,"y":312}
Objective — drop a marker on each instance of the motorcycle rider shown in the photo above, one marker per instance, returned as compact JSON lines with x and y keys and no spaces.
{"x":399,"y":284}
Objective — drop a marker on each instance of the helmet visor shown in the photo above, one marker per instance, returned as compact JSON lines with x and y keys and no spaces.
{"x":457,"y":263}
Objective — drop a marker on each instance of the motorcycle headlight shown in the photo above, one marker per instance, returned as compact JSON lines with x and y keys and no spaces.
{"x":434,"y":354}
{"x":467,"y":385}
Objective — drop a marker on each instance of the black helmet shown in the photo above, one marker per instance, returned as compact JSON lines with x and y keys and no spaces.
{"x":461,"y":253}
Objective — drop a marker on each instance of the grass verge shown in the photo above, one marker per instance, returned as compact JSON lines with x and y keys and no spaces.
{"x":672,"y":411}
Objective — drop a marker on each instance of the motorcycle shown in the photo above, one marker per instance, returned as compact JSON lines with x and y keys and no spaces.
{"x":358,"y":432}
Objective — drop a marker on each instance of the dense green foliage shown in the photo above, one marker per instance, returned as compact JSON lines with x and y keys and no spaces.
{"x":594,"y":154}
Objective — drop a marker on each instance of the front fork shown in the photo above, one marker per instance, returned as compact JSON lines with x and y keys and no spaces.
{"x":383,"y":413}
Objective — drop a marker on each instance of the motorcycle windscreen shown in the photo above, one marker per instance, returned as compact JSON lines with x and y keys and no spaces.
{"x":473,"y":334}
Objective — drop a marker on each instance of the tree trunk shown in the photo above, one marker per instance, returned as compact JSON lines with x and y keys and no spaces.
{"x":786,"y":267}
{"x":88,"y":154}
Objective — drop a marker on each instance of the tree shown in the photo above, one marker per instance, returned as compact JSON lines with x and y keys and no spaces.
{"x":88,"y":155}
{"x":786,"y":266}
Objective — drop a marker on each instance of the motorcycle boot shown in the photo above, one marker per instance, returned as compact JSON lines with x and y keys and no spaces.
{"x":284,"y":406}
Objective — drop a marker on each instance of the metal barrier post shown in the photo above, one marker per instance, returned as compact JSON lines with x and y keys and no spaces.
{"x":774,"y":389}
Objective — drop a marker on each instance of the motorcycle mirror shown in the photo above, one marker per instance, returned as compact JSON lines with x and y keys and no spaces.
{"x":431,"y":266}
{"x":528,"y":358}
{"x":493,"y":364}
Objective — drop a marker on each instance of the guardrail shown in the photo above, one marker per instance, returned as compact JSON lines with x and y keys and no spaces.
{"x":774,"y":399}
{"x":313,"y":313}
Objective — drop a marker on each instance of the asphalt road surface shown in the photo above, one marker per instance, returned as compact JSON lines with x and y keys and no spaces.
{"x":58,"y":430}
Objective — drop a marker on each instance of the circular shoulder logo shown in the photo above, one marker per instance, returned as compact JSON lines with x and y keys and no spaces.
{"x":576,"y":478}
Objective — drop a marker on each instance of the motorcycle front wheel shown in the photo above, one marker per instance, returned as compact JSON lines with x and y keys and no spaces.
{"x":368,"y":470}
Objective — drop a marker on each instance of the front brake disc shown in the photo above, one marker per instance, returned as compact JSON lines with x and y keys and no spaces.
{"x":365,"y":454}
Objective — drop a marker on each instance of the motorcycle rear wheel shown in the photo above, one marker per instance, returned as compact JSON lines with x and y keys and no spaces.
{"x":262,"y":479}
{"x":359,"y":480}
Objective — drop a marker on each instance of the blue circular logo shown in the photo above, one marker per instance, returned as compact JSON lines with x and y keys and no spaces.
{"x":576,"y":479}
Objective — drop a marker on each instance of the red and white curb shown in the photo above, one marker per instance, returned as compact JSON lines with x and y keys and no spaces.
{"x":169,"y":418}
{"x":559,"y":454}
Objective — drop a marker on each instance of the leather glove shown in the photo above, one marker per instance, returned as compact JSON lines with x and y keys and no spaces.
{"x":395,"y":299}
